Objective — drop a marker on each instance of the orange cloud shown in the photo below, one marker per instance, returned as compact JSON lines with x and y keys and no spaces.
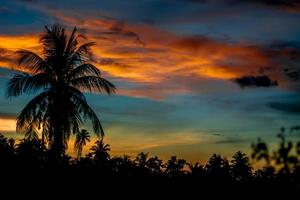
{"x":17,"y":42}
{"x":11,"y":43}
{"x":149,"y":55}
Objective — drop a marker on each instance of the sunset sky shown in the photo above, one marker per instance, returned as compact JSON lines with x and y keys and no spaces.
{"x":174,"y":63}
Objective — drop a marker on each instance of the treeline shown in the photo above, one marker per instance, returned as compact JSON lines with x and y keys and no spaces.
{"x":282,"y":166}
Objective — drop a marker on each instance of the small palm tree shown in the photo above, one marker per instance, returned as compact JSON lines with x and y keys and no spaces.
{"x":174,"y":167}
{"x":155,"y":165}
{"x":100,"y":151}
{"x":196,"y":170}
{"x":61,"y":73}
{"x":81,"y":138}
{"x":142,"y":159}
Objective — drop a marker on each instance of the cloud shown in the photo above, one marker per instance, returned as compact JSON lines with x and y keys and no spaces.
{"x":287,"y":5}
{"x":237,"y":140}
{"x":168,"y":63}
{"x":255,"y":81}
{"x":6,"y":57}
{"x":161,"y":63}
{"x":292,"y":107}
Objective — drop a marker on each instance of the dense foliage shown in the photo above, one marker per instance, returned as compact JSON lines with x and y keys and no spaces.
{"x":282,"y":167}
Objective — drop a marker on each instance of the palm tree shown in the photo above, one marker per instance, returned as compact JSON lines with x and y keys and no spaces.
{"x":218,"y":168}
{"x":196,"y":170}
{"x":142,"y":159}
{"x":100,"y":151}
{"x":174,"y":167}
{"x":155,"y":165}
{"x":81,"y":138}
{"x":61,"y":73}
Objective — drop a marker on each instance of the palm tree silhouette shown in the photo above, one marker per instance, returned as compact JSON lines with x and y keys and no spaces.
{"x":100,"y":151}
{"x":62,"y":72}
{"x":174,"y":167}
{"x":155,"y":165}
{"x":142,"y":159}
{"x":81,"y":138}
{"x":218,"y":168}
{"x":196,"y":170}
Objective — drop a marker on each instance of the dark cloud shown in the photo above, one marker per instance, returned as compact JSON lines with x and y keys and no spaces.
{"x":288,"y":5}
{"x":284,"y":5}
{"x":118,"y":28}
{"x":293,"y":73}
{"x":291,"y":5}
{"x":231,"y":141}
{"x":288,"y":107}
{"x":255,"y":81}
{"x":287,"y":55}
{"x":290,"y":49}
{"x":28,"y":0}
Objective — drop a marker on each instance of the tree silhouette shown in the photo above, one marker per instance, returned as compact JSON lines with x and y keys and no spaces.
{"x":61,"y":73}
{"x":142,"y":159}
{"x":241,"y":168}
{"x":100,"y":152}
{"x":123,"y":166}
{"x":196,"y":170}
{"x":155,"y":165}
{"x":31,"y":153}
{"x":218,"y":168}
{"x":174,"y":167}
{"x":7,"y":152}
{"x":283,"y":155}
{"x":260,"y":151}
{"x":265,"y":175}
{"x":81,"y":138}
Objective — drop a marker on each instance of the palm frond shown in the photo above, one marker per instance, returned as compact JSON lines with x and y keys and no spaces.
{"x":31,"y":134}
{"x":88,"y":113}
{"x":28,"y":115}
{"x":83,"y":52}
{"x":85,"y":69}
{"x":93,"y":84}
{"x":54,"y":41}
{"x":31,"y":61}
{"x":72,"y":42}
{"x":26,"y":83}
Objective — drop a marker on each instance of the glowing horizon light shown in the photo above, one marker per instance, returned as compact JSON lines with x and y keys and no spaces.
{"x":7,"y":124}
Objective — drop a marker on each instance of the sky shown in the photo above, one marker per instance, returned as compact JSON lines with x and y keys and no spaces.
{"x":175,"y":64}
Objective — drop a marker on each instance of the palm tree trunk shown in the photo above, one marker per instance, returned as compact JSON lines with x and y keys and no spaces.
{"x":79,"y":152}
{"x":57,"y":140}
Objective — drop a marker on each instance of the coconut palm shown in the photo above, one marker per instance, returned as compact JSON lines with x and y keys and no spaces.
{"x":81,"y":138}
{"x":175,"y":167}
{"x":61,"y":74}
{"x":100,"y":151}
